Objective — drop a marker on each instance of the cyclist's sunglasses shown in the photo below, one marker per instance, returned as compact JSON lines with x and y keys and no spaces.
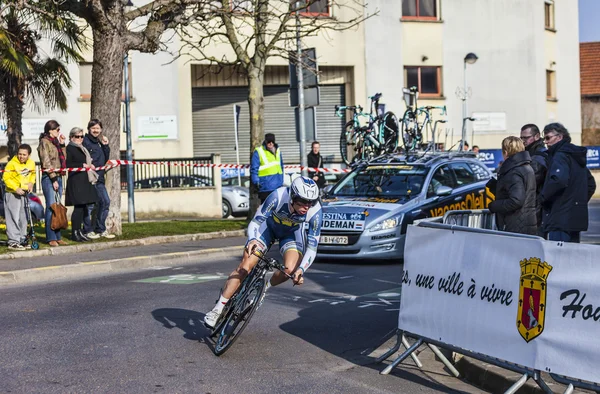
{"x":304,"y":202}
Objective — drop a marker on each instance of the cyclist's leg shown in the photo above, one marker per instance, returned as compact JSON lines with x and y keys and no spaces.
{"x":292,"y":250}
{"x":248,"y":262}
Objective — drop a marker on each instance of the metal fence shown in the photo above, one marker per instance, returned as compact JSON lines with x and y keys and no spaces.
{"x":170,"y":173}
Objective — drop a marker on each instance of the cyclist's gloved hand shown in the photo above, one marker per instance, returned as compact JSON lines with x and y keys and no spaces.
{"x":298,"y":277}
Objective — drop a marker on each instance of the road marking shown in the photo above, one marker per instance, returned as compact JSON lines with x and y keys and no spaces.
{"x":158,"y":268}
{"x":346,"y":277}
{"x":387,"y":281}
{"x":182,"y":279}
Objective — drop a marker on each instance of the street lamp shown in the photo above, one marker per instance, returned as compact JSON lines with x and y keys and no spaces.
{"x":470,"y":58}
{"x":130,"y":200}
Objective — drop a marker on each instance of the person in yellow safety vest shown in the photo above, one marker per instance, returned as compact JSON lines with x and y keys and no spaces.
{"x":266,"y":167}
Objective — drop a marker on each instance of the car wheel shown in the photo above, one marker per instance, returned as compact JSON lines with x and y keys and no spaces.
{"x":226,"y":209}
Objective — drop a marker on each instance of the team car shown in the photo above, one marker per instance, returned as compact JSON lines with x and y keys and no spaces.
{"x":365,"y":215}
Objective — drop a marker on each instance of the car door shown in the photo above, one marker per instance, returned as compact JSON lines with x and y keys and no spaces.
{"x":470,"y":190}
{"x":435,"y":205}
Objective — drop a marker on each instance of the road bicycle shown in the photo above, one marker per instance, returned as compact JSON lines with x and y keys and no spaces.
{"x":412,"y":127}
{"x":380,"y":135}
{"x":243,"y":304}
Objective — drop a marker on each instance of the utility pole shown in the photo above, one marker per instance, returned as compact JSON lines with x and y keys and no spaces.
{"x":130,"y":199}
{"x":301,"y":120}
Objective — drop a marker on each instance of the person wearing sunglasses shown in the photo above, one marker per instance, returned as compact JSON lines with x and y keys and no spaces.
{"x":568,"y":187}
{"x":284,"y":216}
{"x":534,"y":144}
{"x":80,"y":184}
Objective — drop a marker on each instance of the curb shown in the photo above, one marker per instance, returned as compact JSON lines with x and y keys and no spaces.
{"x":90,"y":247}
{"x":79,"y":270}
{"x":492,"y":378}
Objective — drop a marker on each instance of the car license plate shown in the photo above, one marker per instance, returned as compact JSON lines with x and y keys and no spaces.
{"x":332,"y":240}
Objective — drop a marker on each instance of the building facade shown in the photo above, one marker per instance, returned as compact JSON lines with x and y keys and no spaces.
{"x":527,"y":71}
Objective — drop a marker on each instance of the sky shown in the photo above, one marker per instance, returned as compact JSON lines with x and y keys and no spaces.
{"x":589,"y":29}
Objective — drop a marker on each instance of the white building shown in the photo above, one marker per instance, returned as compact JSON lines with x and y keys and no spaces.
{"x":527,"y":71}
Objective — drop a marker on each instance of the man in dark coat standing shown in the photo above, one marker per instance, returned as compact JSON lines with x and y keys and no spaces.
{"x":568,"y":187}
{"x":314,"y":160}
{"x":515,"y":201}
{"x":97,"y":145}
{"x":534,"y":144}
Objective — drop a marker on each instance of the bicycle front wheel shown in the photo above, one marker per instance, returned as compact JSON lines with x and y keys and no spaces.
{"x":409,"y":130}
{"x":347,"y":142}
{"x":240,"y":314}
{"x":390,"y":132}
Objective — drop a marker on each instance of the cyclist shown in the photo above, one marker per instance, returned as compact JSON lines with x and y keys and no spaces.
{"x":283,"y":216}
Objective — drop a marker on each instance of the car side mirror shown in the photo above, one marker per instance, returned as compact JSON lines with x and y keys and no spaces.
{"x":443,"y":191}
{"x":327,"y":190}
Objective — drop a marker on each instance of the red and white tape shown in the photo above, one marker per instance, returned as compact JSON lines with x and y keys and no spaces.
{"x":116,"y":163}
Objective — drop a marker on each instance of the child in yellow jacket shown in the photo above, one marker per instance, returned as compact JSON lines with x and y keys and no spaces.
{"x":19,"y":177}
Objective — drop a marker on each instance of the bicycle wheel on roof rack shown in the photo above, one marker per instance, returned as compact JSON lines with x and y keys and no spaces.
{"x":390,"y":132}
{"x":410,"y":129}
{"x":347,"y":143}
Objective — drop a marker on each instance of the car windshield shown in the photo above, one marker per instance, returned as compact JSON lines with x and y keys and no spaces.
{"x":399,"y":181}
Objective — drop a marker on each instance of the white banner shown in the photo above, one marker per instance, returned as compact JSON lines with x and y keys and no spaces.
{"x":531,"y":302}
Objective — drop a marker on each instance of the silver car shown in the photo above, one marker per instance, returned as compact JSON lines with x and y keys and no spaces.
{"x":235,"y":199}
{"x":365,"y":215}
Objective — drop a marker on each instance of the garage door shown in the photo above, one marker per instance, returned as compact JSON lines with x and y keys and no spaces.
{"x":212,"y":120}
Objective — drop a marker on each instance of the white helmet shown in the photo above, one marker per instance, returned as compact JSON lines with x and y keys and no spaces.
{"x":306,"y":189}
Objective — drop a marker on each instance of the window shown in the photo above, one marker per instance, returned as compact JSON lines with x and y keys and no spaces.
{"x":315,"y":7}
{"x":550,"y":85}
{"x":426,"y":79}
{"x":441,"y":177}
{"x":85,"y":82}
{"x":419,"y":9}
{"x":464,"y":174}
{"x":549,"y":14}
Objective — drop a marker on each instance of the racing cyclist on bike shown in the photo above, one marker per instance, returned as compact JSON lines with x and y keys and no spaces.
{"x":281,"y":217}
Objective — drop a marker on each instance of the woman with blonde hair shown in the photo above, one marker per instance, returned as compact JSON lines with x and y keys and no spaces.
{"x":515,"y":203}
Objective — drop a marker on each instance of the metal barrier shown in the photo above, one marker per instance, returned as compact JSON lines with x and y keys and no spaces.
{"x":476,"y":221}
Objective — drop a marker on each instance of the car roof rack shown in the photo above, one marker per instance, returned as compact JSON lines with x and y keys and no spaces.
{"x":420,"y":157}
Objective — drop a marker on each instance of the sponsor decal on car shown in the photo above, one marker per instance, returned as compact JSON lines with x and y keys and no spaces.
{"x":344,"y":221}
{"x":472,"y":201}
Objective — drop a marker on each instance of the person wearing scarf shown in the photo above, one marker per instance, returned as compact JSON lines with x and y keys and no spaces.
{"x":80,"y":184}
{"x":51,"y":151}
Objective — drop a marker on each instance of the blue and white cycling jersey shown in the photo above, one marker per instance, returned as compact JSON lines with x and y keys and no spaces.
{"x":274,"y":221}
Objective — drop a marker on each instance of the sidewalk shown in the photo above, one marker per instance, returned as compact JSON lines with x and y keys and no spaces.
{"x":85,"y":259}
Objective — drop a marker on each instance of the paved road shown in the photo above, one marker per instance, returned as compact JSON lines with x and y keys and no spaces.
{"x":135,"y":333}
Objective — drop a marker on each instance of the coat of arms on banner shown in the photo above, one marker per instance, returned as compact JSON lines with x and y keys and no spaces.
{"x":532,"y":297}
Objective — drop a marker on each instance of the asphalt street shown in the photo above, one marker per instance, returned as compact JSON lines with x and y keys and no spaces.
{"x":142,"y":332}
{"x":593,"y":233}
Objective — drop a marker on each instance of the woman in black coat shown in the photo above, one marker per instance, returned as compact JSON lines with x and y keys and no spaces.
{"x":80,"y":184}
{"x":515,"y":203}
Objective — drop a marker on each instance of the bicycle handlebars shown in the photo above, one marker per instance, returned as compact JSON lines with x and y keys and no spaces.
{"x":272,"y":263}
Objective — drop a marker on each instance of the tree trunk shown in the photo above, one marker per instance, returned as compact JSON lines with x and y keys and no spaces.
{"x":107,"y":77}
{"x":256,"y":103}
{"x":14,"y":115}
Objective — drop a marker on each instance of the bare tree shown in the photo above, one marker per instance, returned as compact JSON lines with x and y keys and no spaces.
{"x":113,"y":35}
{"x":256,"y":30}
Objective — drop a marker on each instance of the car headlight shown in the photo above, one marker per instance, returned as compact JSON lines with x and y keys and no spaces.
{"x":388,"y":223}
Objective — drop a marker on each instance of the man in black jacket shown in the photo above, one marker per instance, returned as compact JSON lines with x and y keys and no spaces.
{"x":568,"y":187}
{"x":534,"y":144}
{"x":97,"y":145}
{"x":316,"y":161}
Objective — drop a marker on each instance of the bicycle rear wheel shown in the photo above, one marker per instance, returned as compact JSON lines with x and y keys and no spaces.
{"x":347,"y":143}
{"x":390,"y":132}
{"x":239,"y":315}
{"x":409,"y":130}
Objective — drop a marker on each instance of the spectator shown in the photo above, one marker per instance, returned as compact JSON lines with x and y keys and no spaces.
{"x":465,"y":146}
{"x":80,"y":184}
{"x":534,"y":144}
{"x":515,"y":201}
{"x":19,"y":177}
{"x":314,"y":160}
{"x":475,"y":149}
{"x":51,"y":150}
{"x":97,"y":145}
{"x":567,"y":189}
{"x":266,"y":169}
